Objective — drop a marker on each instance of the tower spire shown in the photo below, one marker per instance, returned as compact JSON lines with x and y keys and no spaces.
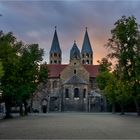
{"x":86,"y":51}
{"x":55,"y":51}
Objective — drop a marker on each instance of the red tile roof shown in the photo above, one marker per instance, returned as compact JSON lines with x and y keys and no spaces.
{"x":92,"y":69}
{"x":56,"y":69}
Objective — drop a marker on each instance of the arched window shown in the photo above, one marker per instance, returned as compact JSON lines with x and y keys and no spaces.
{"x":84,"y":93}
{"x":48,"y":84}
{"x":55,"y":54}
{"x":76,"y":93}
{"x":55,"y":61}
{"x":87,"y":55}
{"x":83,"y":61}
{"x":66,"y":93}
{"x":55,"y":84}
{"x":74,"y":71}
{"x":87,"y":62}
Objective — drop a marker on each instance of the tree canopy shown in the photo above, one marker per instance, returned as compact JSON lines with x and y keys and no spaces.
{"x":124,"y":46}
{"x":21,"y":66}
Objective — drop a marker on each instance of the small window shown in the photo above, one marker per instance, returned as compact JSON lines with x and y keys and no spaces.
{"x":55,"y":54}
{"x":74,"y":63}
{"x":76,"y":93}
{"x":83,"y":62}
{"x":59,"y":62}
{"x":51,"y":62}
{"x":74,"y":71}
{"x":51,"y":55}
{"x":87,"y":62}
{"x":66,"y":93}
{"x":59,"y":55}
{"x":55,"y":84}
{"x":87,"y":55}
{"x":55,"y":61}
{"x":84,"y":93}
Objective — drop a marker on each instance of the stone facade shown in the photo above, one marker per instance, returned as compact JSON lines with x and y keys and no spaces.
{"x":71,"y":87}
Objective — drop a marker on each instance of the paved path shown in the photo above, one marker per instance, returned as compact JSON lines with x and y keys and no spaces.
{"x":71,"y":126}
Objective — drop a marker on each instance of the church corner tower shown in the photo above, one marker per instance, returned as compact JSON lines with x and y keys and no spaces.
{"x":74,"y":52}
{"x":55,"y":51}
{"x":86,"y":52}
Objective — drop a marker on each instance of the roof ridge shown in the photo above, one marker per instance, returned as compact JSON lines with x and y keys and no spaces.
{"x":73,"y":80}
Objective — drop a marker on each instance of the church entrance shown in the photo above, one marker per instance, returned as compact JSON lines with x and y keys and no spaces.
{"x":44,"y":106}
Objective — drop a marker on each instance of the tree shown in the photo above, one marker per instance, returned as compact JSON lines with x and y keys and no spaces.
{"x":107,"y":82}
{"x":110,"y":91}
{"x":30,"y":73}
{"x":105,"y":65}
{"x":22,"y":73}
{"x":1,"y":70}
{"x":124,"y":46}
{"x":8,"y":55}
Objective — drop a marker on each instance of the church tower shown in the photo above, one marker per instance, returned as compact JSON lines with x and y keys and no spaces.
{"x":86,"y":52}
{"x":74,"y":52}
{"x":55,"y":51}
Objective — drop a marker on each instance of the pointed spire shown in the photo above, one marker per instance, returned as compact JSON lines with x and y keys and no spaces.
{"x":75,"y":52}
{"x":86,"y":48}
{"x":55,"y":47}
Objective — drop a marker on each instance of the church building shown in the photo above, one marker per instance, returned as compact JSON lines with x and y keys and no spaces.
{"x":71,"y":87}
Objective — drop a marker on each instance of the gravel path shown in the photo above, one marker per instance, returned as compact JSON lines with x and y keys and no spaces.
{"x":71,"y":126}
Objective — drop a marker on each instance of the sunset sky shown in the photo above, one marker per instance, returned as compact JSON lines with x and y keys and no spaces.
{"x":34,"y":22}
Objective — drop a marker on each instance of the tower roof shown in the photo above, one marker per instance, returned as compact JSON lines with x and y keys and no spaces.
{"x":74,"y":52}
{"x":55,"y":47}
{"x":86,"y":48}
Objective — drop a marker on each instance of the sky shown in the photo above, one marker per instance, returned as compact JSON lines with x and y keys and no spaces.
{"x":34,"y":21}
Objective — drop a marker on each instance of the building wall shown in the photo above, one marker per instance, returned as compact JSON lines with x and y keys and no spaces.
{"x":55,"y":58}
{"x":69,"y":71}
{"x":72,"y":103}
{"x":56,"y":88}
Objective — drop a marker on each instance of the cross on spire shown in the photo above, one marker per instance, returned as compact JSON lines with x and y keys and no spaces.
{"x":55,"y":27}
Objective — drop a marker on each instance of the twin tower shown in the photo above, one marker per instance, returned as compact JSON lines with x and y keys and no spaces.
{"x":86,"y":55}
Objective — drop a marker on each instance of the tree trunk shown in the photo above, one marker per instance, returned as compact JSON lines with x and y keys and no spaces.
{"x":8,"y":111}
{"x":137,"y":107}
{"x":21,"y":110}
{"x":31,"y":106}
{"x":113,"y":108}
{"x":26,"y":109}
{"x":122,"y":109}
{"x":8,"y":108}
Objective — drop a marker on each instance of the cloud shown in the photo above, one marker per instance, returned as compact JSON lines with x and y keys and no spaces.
{"x":34,"y":21}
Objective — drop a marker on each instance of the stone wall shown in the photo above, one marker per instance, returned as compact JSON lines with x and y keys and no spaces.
{"x":72,"y":103}
{"x":74,"y":66}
